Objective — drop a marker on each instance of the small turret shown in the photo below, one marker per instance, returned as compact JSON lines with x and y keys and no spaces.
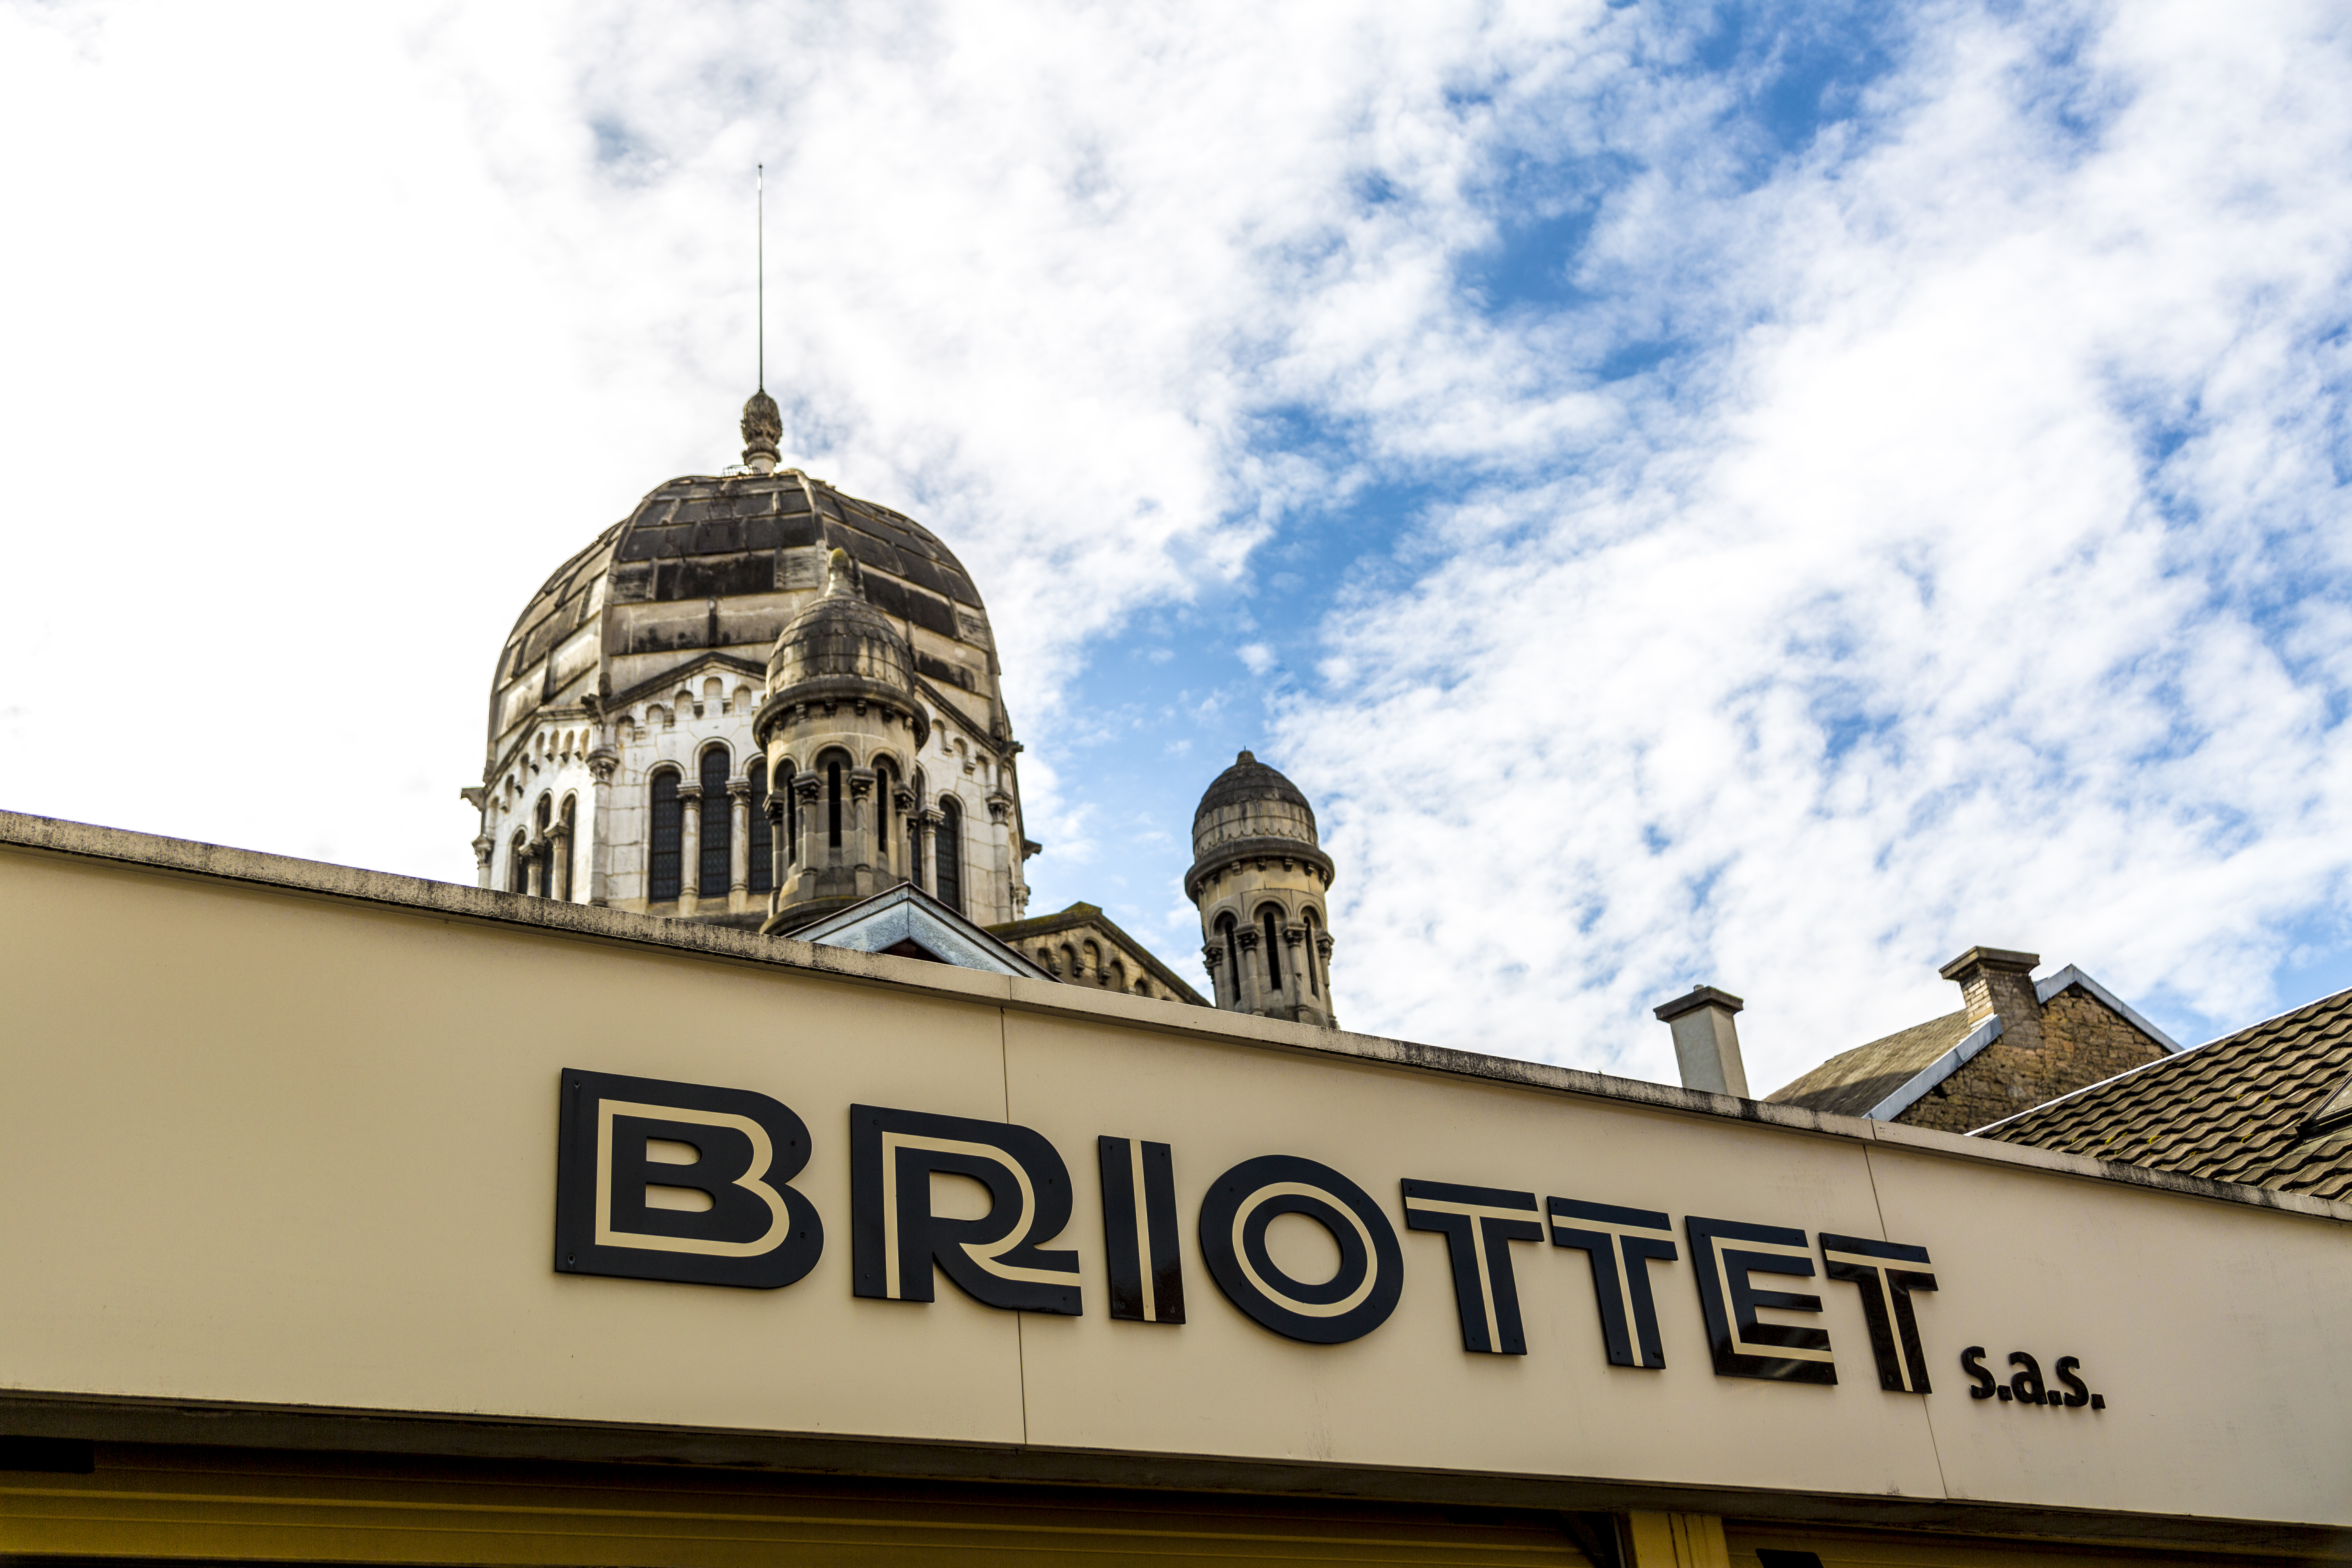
{"x":1261,"y":881}
{"x":840,"y":729}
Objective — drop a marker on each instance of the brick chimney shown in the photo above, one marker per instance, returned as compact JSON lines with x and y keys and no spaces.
{"x":1707,"y":1042}
{"x":1994,"y":980}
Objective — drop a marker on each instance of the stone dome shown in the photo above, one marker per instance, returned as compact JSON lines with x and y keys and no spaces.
{"x":840,"y":647}
{"x":1251,"y":810}
{"x":720,"y":565}
{"x":1247,"y":780}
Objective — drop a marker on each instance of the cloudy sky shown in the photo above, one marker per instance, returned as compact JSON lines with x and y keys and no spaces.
{"x":1769,"y":495}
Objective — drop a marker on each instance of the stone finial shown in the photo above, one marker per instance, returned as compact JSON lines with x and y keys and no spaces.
{"x":763,"y":426}
{"x":841,"y":576}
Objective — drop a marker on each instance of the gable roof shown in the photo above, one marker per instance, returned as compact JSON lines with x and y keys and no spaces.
{"x":910,"y":923}
{"x":1086,"y":914}
{"x":1855,"y":1082}
{"x":2270,"y":1106}
{"x":1886,"y":1078}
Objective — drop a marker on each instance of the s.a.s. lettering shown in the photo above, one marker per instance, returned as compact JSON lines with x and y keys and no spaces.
{"x":693,"y":1183}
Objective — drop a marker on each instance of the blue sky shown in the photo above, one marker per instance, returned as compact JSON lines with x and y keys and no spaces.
{"x":1762,"y":495}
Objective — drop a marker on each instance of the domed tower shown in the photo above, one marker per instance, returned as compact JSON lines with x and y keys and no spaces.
{"x":841,"y":729}
{"x":1261,"y":882}
{"x":633,"y":712}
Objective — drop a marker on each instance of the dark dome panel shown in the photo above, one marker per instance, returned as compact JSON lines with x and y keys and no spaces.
{"x":1249,"y":779}
{"x":753,"y":544}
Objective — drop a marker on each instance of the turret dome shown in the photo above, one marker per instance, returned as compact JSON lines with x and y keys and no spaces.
{"x":1250,"y":809}
{"x":840,"y":647}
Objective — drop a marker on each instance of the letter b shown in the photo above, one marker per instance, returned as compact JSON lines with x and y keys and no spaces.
{"x":749,"y":1229}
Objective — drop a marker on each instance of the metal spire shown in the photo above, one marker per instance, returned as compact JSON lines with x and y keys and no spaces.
{"x":764,"y":422}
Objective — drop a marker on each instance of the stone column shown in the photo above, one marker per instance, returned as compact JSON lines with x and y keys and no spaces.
{"x":1006,"y":850}
{"x":689,"y":848}
{"x":779,"y":849}
{"x":928,"y":826}
{"x":1250,"y":983}
{"x":902,"y":806}
{"x":602,"y":762}
{"x":1323,"y":952}
{"x":808,"y":789}
{"x":483,"y":846}
{"x":558,"y":862}
{"x":739,"y":841}
{"x":535,"y":868}
{"x":857,"y":830}
{"x":1212,"y":955}
{"x":1293,"y":940}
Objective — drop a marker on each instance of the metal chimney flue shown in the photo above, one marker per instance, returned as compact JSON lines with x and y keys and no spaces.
{"x":1707,"y":1042}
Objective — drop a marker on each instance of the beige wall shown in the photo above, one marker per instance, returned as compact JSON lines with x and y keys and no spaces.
{"x":273,"y":1146}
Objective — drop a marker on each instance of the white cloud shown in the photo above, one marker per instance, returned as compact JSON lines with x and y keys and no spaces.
{"x":1971,"y":567}
{"x":1905,"y":639}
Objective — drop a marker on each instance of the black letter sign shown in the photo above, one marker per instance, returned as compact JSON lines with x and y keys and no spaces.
{"x":724,"y":1217}
{"x":1347,"y":1306}
{"x":1138,"y":1196}
{"x":1880,"y":1268}
{"x":894,"y":1238}
{"x":1619,"y":1243}
{"x":1722,"y":1252}
{"x":1479,"y":1224}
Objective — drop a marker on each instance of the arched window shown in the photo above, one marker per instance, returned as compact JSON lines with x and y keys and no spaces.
{"x":762,"y":846}
{"x":1273,"y":940}
{"x":518,"y":864}
{"x":1071,"y":967}
{"x":1094,"y":961}
{"x":1118,"y":975}
{"x":1310,"y":954}
{"x":883,"y":780}
{"x":951,"y":852}
{"x":669,"y":828}
{"x":718,"y":825}
{"x":1230,"y":982}
{"x":832,"y":803}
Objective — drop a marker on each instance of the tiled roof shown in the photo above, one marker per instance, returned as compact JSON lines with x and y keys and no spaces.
{"x":1852,"y":1082}
{"x":2241,"y":1109}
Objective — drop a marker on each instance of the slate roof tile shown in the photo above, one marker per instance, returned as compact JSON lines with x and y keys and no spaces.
{"x":1850,"y":1082}
{"x":2236,"y":1109}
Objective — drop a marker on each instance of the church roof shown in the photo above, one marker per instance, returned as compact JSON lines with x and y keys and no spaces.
{"x":1249,"y":779}
{"x":744,"y":550}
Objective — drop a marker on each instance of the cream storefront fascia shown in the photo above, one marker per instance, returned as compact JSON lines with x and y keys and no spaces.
{"x":281,"y":1146}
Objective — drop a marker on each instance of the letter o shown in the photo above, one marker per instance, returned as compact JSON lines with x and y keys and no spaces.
{"x":1351,"y":1303}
